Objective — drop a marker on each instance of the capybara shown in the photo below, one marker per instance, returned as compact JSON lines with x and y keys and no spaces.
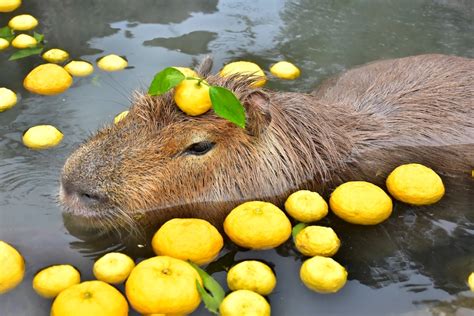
{"x":159,"y":163}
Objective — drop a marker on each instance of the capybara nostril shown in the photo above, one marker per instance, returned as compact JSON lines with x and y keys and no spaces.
{"x":91,"y":199}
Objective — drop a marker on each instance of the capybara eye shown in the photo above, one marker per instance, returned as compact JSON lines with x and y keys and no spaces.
{"x":198,"y":149}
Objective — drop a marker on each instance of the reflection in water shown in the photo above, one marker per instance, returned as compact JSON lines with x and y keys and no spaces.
{"x":194,"y":43}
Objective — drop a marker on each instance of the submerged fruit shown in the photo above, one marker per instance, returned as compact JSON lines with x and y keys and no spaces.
{"x":51,"y":281}
{"x":163,"y":285}
{"x":48,"y":79}
{"x":253,"y":276}
{"x":55,"y":55}
{"x":112,"y":63}
{"x":90,"y":298}
{"x":188,"y":239}
{"x":317,"y":241}
{"x":306,"y":206}
{"x":323,"y":275}
{"x":113,"y":267}
{"x":360,"y":202}
{"x":8,"y":99}
{"x":257,"y":225}
{"x":42,"y":137}
{"x":415,"y":184}
{"x":23,"y":22}
{"x":120,"y":116}
{"x":244,"y":303}
{"x":285,"y":70}
{"x":192,"y":97}
{"x":4,"y":44}
{"x":79,"y":68}
{"x":12,"y":267}
{"x":9,"y":5}
{"x":245,"y":68}
{"x":24,"y":41}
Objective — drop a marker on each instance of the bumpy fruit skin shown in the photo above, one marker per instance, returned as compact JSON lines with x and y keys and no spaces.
{"x":246,"y":68}
{"x":317,"y":241}
{"x":9,"y":5}
{"x":24,"y":41}
{"x":12,"y":267}
{"x":253,"y":276}
{"x":163,"y":285}
{"x":415,"y":184}
{"x":188,"y":239}
{"x":23,"y":22}
{"x":192,"y":97}
{"x":113,"y":268}
{"x":42,"y":137}
{"x":285,"y":70}
{"x":120,"y":116}
{"x":244,"y":303}
{"x":55,"y":55}
{"x":79,"y":68}
{"x":4,"y":44}
{"x":360,"y":202}
{"x":51,"y":281}
{"x":323,"y":275}
{"x":112,"y":63}
{"x":48,"y":79}
{"x":90,"y":298}
{"x":8,"y":99}
{"x":306,"y":206}
{"x":257,"y":225}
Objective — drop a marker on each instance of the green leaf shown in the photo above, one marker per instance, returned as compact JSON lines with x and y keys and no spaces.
{"x":299,"y":227}
{"x":165,"y":80}
{"x":22,"y":53}
{"x":227,"y":106}
{"x":7,"y":33}
{"x":38,"y":37}
{"x":215,"y":293}
{"x":210,"y":302}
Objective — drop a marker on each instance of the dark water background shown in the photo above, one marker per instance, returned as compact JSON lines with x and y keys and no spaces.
{"x":414,"y":264}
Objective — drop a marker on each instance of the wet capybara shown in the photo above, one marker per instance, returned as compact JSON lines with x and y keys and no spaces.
{"x":159,"y":163}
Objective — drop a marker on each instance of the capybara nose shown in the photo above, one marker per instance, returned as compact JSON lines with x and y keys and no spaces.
{"x":85,"y":196}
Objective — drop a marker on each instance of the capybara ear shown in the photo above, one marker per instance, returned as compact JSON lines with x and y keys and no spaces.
{"x":205,"y":66}
{"x":257,"y":107}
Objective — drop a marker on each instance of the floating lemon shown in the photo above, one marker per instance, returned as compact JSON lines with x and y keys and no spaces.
{"x":23,"y":22}
{"x":192,"y":97}
{"x":9,"y":5}
{"x":360,"y":202}
{"x":257,"y":225}
{"x":415,"y":184}
{"x":24,"y":41}
{"x":285,"y":70}
{"x":8,"y":99}
{"x":317,"y":241}
{"x":323,"y":275}
{"x":50,"y":281}
{"x":4,"y":44}
{"x":48,"y":79}
{"x":163,"y":285}
{"x":90,"y":298}
{"x":112,"y":63}
{"x":306,"y":206}
{"x":188,"y":239}
{"x":113,"y":267}
{"x":42,"y":137}
{"x":244,"y":303}
{"x":470,"y":281}
{"x":12,"y":267}
{"x":253,"y":276}
{"x":79,"y":68}
{"x":55,"y":55}
{"x":188,"y":72}
{"x":246,"y":68}
{"x":120,"y":116}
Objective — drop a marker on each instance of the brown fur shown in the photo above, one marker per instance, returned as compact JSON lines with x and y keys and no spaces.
{"x":357,"y":126}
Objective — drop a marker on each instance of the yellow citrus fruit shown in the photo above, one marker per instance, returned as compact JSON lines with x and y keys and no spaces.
{"x":51,"y":281}
{"x":306,"y":206}
{"x":323,"y":274}
{"x":8,"y":99}
{"x":23,"y":22}
{"x":470,"y":281}
{"x":4,"y":44}
{"x":12,"y":267}
{"x":246,"y":68}
{"x":42,"y":137}
{"x":415,"y":184}
{"x":79,"y":68}
{"x":360,"y":202}
{"x":90,"y":298}
{"x":285,"y":70}
{"x":188,"y":72}
{"x":244,"y":303}
{"x":113,"y":267}
{"x":253,"y":276}
{"x":188,"y":239}
{"x":48,"y":79}
{"x":9,"y":5}
{"x":112,"y":63}
{"x":55,"y":55}
{"x":120,"y":116}
{"x":163,"y":285}
{"x":24,"y":41}
{"x":317,"y":241}
{"x":257,"y":225}
{"x":192,"y":97}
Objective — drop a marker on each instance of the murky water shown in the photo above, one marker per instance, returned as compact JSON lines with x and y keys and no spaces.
{"x":414,"y":264}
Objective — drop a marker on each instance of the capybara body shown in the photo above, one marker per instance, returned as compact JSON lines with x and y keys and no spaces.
{"x":159,"y":163}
